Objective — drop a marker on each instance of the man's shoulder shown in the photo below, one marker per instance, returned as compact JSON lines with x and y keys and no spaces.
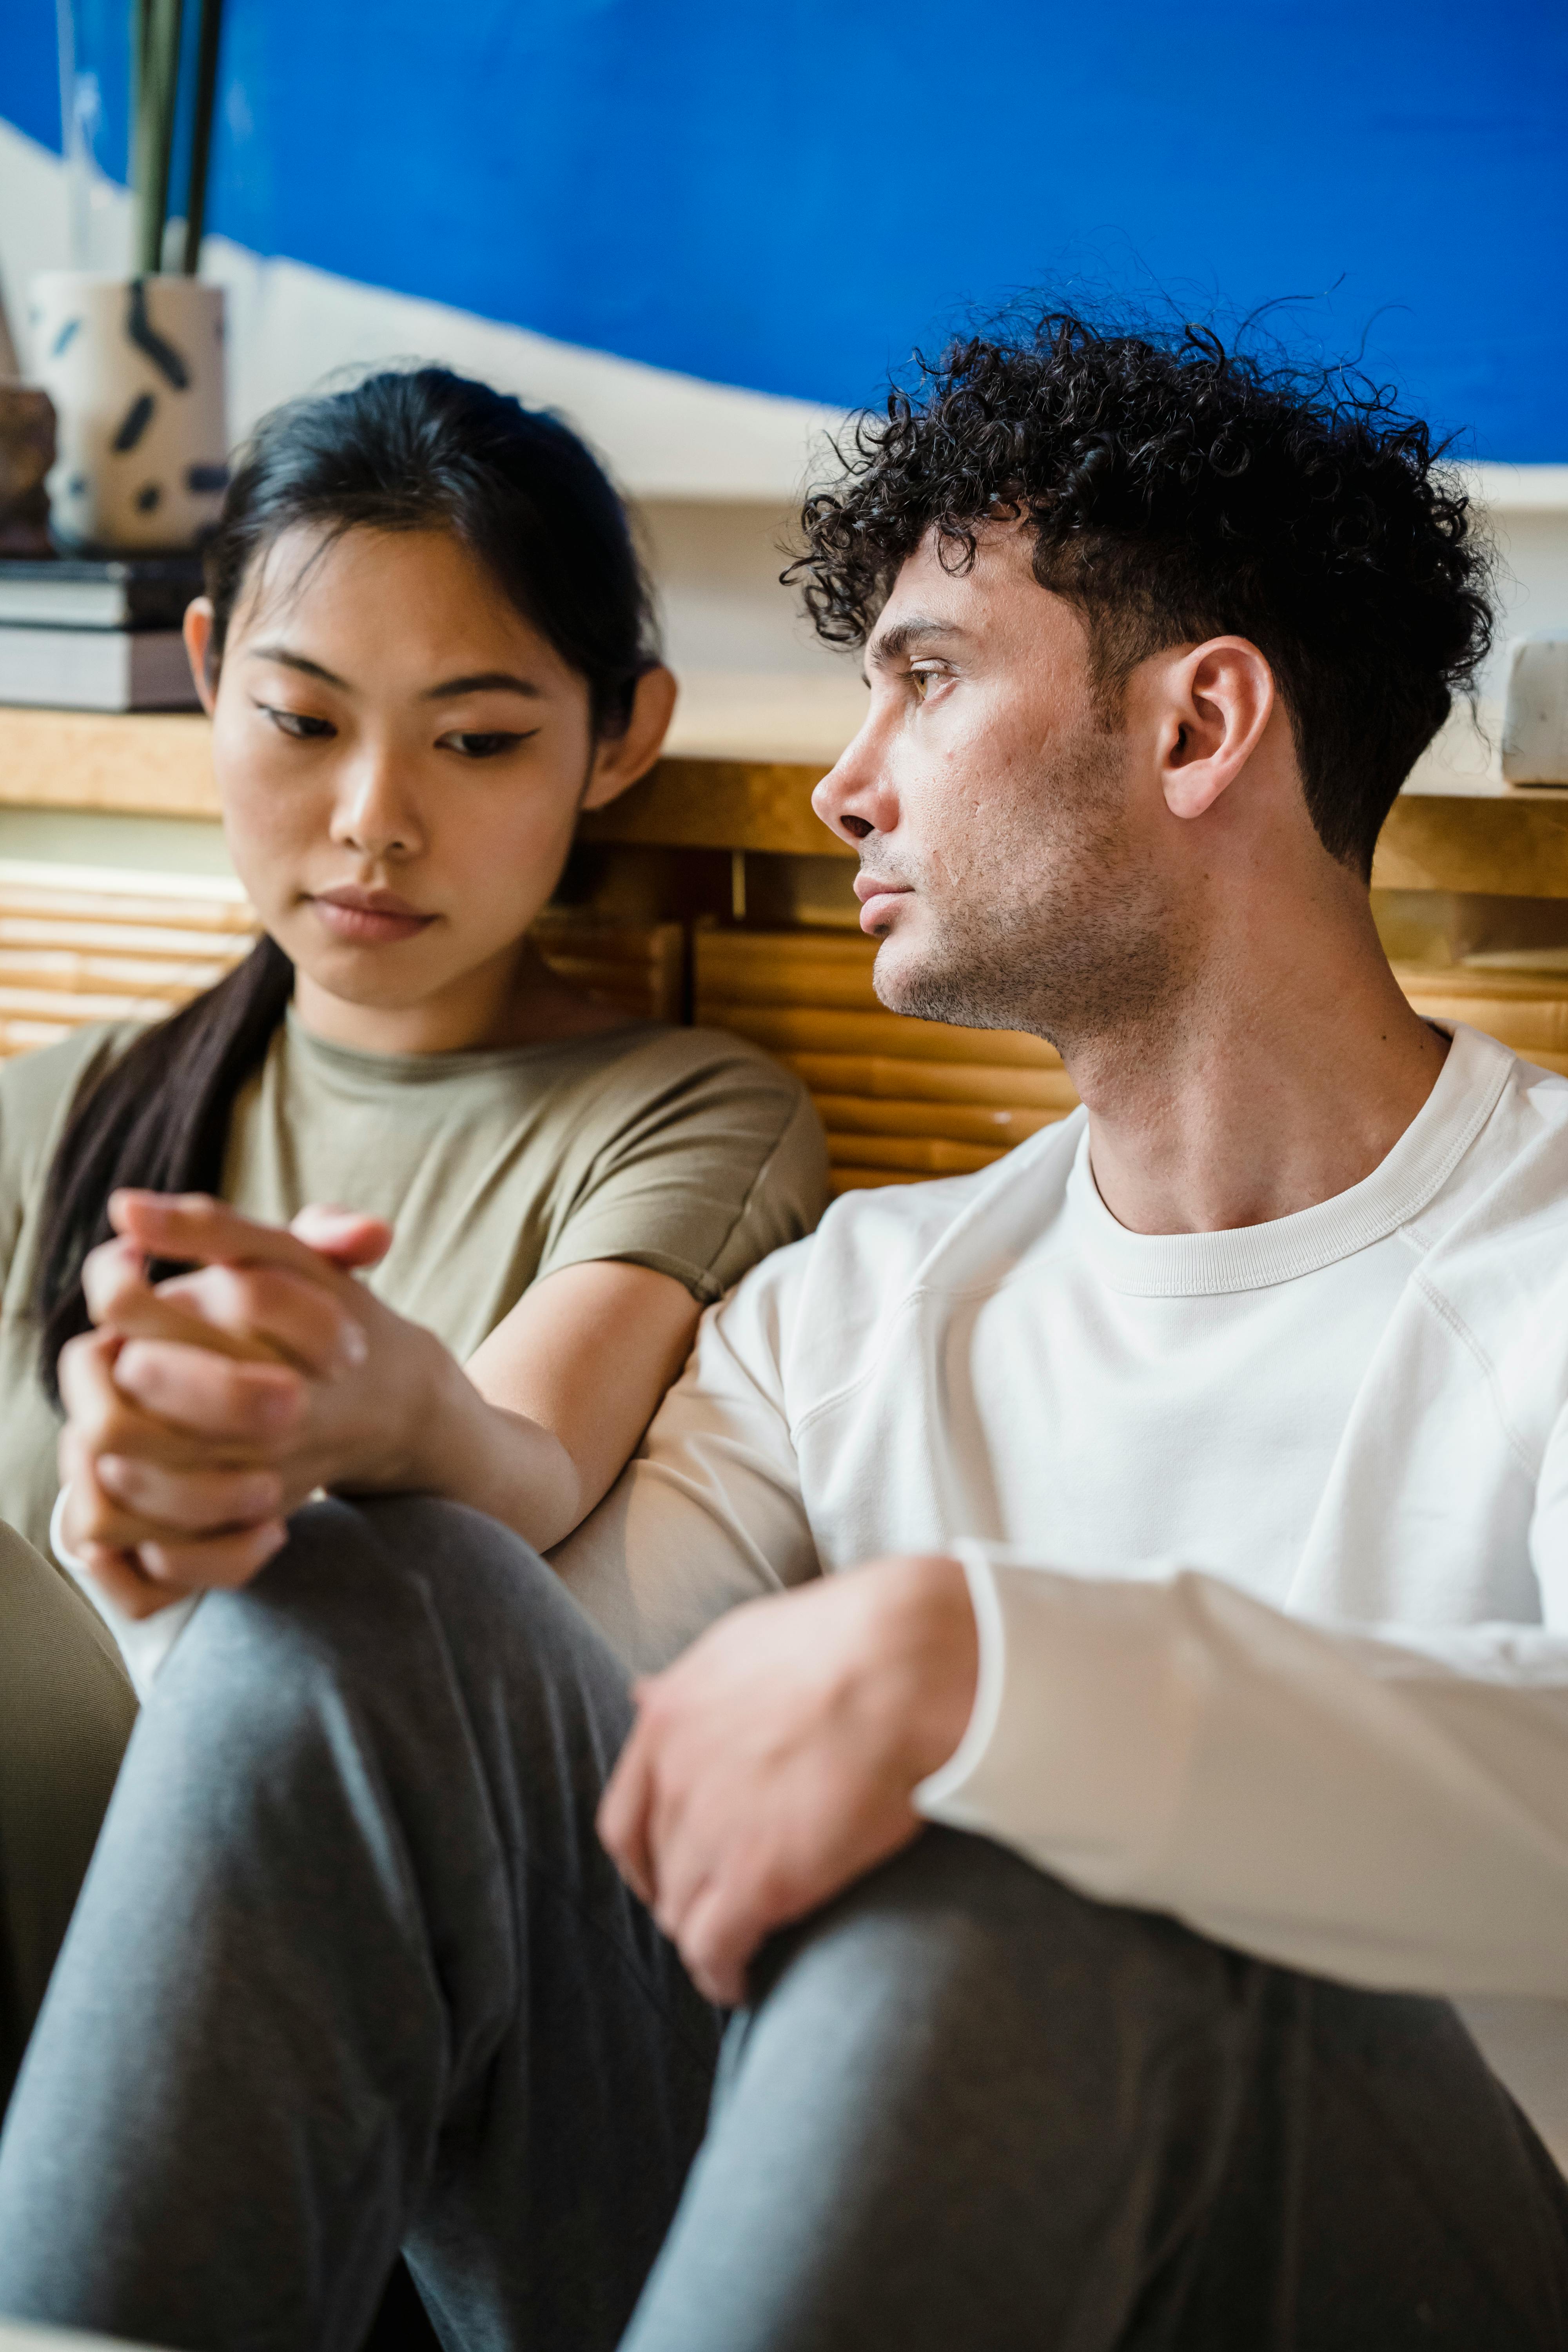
{"x":817,"y":1307}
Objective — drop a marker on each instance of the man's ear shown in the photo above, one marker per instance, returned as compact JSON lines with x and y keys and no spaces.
{"x":621,"y":759}
{"x":198,"y":644}
{"x":1219,"y":699}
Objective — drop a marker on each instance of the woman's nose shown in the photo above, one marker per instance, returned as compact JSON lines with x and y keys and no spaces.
{"x":374,"y":816}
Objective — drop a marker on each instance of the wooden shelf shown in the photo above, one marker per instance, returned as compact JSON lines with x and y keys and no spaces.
{"x":722,"y":804}
{"x":1511,"y":844}
{"x":157,"y":763}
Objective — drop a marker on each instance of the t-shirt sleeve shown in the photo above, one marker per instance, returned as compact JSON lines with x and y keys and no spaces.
{"x":713,"y":1156}
{"x":37,"y":1093}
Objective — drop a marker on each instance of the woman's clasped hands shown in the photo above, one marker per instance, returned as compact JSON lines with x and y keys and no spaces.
{"x":204,"y":1409}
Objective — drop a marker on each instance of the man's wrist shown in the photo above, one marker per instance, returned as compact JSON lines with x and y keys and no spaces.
{"x":927,"y":1648}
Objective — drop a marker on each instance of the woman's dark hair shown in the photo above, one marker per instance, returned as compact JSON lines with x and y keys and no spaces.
{"x":425,"y":450}
{"x":1176,"y":491}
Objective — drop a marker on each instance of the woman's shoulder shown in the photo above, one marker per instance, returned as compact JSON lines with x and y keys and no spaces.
{"x":39,"y":1089}
{"x":659,"y":1063}
{"x":691,"y":1086}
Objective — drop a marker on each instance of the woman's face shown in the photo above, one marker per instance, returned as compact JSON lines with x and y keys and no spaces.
{"x":402,"y":759}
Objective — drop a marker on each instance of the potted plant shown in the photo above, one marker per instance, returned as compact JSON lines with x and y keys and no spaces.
{"x":135,"y":365}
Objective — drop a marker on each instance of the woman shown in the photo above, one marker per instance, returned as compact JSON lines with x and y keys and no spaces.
{"x":424,"y":649}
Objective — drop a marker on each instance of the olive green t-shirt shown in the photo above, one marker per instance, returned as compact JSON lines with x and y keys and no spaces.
{"x":683,"y":1149}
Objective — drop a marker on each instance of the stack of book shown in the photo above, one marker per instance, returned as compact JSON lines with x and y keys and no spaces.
{"x":97,"y":635}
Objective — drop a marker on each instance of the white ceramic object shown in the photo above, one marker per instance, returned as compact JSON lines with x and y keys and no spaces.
{"x":1535,"y":712}
{"x":135,"y":368}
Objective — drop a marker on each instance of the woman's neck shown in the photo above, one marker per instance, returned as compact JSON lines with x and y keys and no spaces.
{"x":516,"y":1000}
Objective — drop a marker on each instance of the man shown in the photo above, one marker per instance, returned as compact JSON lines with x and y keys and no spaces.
{"x":1202,"y":1468}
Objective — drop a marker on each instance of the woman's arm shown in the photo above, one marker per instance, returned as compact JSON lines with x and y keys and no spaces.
{"x":201,"y":1413}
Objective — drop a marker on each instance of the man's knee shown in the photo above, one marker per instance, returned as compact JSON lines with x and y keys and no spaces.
{"x":966,"y":1932}
{"x":958,"y":1991}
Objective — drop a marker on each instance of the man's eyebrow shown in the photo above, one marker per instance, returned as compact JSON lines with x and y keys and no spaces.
{"x":483,"y":681}
{"x":891,"y":645}
{"x":296,"y":661}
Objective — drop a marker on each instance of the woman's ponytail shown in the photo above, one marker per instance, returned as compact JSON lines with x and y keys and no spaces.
{"x":158,"y":1119}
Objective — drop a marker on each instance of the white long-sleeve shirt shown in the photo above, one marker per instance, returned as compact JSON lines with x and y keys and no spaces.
{"x":1266,"y":1530}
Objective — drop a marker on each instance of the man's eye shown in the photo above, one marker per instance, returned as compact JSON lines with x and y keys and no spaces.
{"x":481,"y":747}
{"x":298,"y":723}
{"x":922,"y":680}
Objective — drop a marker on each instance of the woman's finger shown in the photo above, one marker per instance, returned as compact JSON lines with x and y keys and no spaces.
{"x":134,"y":1309}
{"x":255,"y":1407}
{"x":308,"y":1327}
{"x":191,"y":1229}
{"x":125,"y":1584}
{"x":154,"y":1501}
{"x":114,"y":1278}
{"x":346,"y":1236}
{"x":215,"y":1562}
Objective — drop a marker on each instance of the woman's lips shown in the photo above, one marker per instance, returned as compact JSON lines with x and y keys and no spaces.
{"x":369,"y":918}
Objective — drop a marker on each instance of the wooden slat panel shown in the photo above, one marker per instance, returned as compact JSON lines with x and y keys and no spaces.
{"x":72,"y":1011}
{"x":75,"y":976}
{"x":802,"y":1029}
{"x":925,"y":1156}
{"x":882,"y":1076}
{"x":865,"y":1179}
{"x":857,"y":1115}
{"x":640,"y":967}
{"x":899,"y":1099}
{"x":1529,"y":1010}
{"x":113,"y":937}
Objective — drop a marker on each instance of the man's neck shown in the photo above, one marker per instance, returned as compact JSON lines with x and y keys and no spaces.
{"x":1277,"y":1079}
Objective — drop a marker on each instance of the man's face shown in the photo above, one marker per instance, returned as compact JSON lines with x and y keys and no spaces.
{"x":1007,"y":832}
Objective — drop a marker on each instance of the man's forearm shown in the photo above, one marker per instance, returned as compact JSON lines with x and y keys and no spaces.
{"x":1394,"y":1816}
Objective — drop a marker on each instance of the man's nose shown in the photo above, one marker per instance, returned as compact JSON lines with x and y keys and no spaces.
{"x":856,"y":798}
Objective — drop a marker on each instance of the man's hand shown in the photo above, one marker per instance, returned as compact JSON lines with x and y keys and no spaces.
{"x":775,"y":1761}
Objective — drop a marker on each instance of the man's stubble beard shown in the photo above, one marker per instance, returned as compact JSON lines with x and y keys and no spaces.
{"x":1065,"y":934}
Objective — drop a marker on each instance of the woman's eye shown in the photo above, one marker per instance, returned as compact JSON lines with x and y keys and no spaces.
{"x":474,"y":746}
{"x":298,"y":724}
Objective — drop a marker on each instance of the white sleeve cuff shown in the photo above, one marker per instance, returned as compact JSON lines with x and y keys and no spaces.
{"x":943,"y":1786}
{"x":144,"y":1642}
{"x":1084,"y":1711}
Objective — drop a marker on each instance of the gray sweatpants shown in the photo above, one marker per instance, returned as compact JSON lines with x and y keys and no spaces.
{"x":351,"y":1970}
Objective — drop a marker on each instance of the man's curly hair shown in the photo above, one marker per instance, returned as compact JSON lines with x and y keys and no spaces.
{"x":1178,"y":491}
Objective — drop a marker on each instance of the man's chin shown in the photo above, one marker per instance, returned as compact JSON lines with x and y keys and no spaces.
{"x":906,"y":979}
{"x":917,"y":979}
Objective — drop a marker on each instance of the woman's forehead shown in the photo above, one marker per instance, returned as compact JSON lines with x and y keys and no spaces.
{"x":363,"y":582}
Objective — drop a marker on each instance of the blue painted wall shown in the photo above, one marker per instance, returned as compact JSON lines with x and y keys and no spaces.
{"x":788,"y":194}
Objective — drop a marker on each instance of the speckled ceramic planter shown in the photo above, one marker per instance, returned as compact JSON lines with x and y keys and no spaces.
{"x":135,"y":368}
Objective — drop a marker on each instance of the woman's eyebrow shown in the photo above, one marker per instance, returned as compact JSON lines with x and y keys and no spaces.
{"x":295,"y":661}
{"x":483,"y":681}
